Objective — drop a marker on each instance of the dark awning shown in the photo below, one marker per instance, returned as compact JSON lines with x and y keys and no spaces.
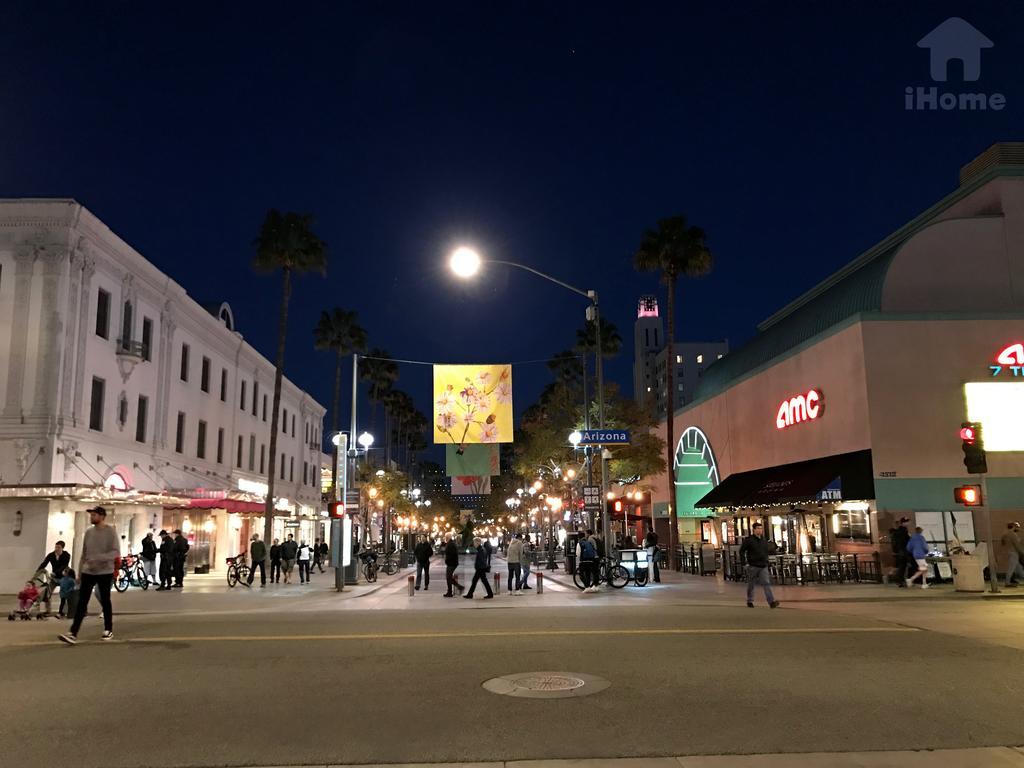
{"x":845,"y":476}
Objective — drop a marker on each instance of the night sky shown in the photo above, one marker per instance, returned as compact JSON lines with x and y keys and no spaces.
{"x":547,"y":133}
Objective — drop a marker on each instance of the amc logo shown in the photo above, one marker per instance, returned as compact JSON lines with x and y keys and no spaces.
{"x":800,"y":408}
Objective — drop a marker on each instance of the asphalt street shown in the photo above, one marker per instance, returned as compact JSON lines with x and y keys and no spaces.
{"x":279,"y":685}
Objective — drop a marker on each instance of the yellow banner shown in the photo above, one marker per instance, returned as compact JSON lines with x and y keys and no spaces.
{"x":472,"y":404}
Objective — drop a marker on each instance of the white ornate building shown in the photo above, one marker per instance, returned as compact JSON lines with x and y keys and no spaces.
{"x":118,"y":388}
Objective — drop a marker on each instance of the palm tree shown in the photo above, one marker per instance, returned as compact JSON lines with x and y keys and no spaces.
{"x":338,"y":330}
{"x":286,"y":242}
{"x":675,"y":249}
{"x":381,"y":372}
{"x":397,"y":407}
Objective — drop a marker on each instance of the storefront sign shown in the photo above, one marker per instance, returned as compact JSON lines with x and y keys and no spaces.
{"x":800,"y":408}
{"x":1010,"y":358}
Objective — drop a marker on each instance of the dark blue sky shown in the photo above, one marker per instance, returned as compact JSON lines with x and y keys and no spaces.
{"x":548,"y":133}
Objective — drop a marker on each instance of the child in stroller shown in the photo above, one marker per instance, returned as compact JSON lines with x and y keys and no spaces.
{"x":35,"y":595}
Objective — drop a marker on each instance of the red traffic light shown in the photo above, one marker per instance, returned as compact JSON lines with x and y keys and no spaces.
{"x":967,"y":434}
{"x":618,"y":505}
{"x":336,"y":509}
{"x":968,"y":495}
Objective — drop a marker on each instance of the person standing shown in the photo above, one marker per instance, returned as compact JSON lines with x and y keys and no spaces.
{"x":586,"y":560}
{"x":101,"y":550}
{"x":149,"y":557}
{"x":67,"y":589}
{"x":515,"y":565}
{"x":166,"y":552}
{"x":181,"y":548}
{"x":257,"y":556}
{"x":304,"y":557}
{"x":899,"y":537}
{"x":754,"y":554}
{"x":289,"y":551}
{"x":451,"y":564}
{"x":918,"y":549}
{"x":275,"y":562}
{"x":524,"y":561}
{"x":422,"y":553}
{"x":481,"y":567}
{"x":1011,"y":541}
{"x":651,"y":545}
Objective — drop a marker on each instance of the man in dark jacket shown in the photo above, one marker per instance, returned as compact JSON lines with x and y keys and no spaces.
{"x":166,"y":561}
{"x":257,"y":556}
{"x":899,"y":537}
{"x":58,"y":560}
{"x":275,"y":562}
{"x":451,"y":564}
{"x":754,"y":553}
{"x":289,"y":552}
{"x":181,"y":548}
{"x":651,"y":545}
{"x":422,"y":552}
{"x":149,"y":557}
{"x":480,"y":568}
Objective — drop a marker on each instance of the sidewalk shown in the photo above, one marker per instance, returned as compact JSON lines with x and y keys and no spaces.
{"x":981,"y":757}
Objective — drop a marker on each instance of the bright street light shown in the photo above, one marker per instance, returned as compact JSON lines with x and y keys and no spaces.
{"x":336,"y":439}
{"x":465,"y":262}
{"x":365,"y":440}
{"x":575,"y":438}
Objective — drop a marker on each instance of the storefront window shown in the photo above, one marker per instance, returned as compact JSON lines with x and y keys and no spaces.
{"x":941,"y":528}
{"x":852,"y":524}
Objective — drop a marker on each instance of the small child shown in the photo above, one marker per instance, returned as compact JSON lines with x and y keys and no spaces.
{"x":27,"y":596}
{"x":67,"y":586}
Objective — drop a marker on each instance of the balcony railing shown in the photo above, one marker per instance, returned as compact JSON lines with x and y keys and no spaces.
{"x":131,"y":348}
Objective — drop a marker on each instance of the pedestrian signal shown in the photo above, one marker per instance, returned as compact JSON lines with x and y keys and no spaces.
{"x":968,"y":495}
{"x":336,"y":509}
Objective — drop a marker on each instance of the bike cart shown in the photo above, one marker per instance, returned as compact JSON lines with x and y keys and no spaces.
{"x":636,"y":562}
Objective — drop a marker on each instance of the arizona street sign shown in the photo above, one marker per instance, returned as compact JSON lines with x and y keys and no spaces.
{"x":604,"y":437}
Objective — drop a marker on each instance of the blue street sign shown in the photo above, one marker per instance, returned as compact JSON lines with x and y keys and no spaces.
{"x":604,"y":437}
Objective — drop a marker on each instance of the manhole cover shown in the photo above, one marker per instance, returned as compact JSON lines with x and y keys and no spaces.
{"x":546,"y":685}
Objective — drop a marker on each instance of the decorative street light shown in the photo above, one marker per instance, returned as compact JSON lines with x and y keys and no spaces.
{"x":365,"y":440}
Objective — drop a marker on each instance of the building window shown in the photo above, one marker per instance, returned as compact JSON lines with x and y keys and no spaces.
{"x":263,"y":458}
{"x":241,"y":401}
{"x":284,"y":425}
{"x":264,"y":408}
{"x":140,"y":419}
{"x":679,"y":359}
{"x":126,"y":325}
{"x":293,"y":425}
{"x":147,"y":339}
{"x":238,"y":458}
{"x":220,"y":445}
{"x":252,"y":453}
{"x":852,"y":524}
{"x":122,"y":411}
{"x":700,"y":359}
{"x":291,"y":469}
{"x":305,"y":473}
{"x":96,"y":404}
{"x":306,"y":433}
{"x":223,"y":385}
{"x":204,"y":376}
{"x":103,"y":314}
{"x":255,"y":395}
{"x":179,"y":438}
{"x":184,"y":362}
{"x":282,"y":466}
{"x":201,"y":441}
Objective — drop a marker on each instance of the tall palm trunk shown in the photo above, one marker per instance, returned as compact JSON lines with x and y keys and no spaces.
{"x":282,"y":332}
{"x":387,"y":438}
{"x":670,"y":403}
{"x":334,"y":422}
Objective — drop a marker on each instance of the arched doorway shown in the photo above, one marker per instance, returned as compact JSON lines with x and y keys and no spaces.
{"x":695,"y":471}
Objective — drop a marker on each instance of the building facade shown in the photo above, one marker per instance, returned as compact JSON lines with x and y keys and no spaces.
{"x":122,"y":390}
{"x":842,"y":414}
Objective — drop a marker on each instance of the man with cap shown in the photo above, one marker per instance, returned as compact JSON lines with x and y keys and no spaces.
{"x":101,"y":551}
{"x":166,"y":561}
{"x":180,"y":553}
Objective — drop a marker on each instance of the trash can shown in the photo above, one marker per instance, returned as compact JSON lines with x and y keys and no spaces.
{"x":968,"y":573}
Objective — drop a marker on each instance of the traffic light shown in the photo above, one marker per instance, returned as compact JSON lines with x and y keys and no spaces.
{"x":973,"y":447}
{"x":968,"y":495}
{"x":618,"y":505}
{"x":336,"y":509}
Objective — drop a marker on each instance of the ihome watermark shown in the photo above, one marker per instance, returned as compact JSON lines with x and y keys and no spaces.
{"x":954,"y":40}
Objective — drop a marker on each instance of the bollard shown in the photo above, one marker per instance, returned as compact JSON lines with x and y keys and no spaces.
{"x":412,"y":580}
{"x":540,"y":582}
{"x":497,"y":583}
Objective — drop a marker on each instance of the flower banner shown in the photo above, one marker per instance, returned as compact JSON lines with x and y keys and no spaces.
{"x":472,"y":460}
{"x":472,"y":404}
{"x":470,"y":485}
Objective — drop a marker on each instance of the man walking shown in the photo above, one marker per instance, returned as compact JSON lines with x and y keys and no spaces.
{"x":257,"y":556}
{"x":480,"y":569}
{"x":451,"y":564}
{"x":318,"y":555}
{"x":515,"y":566}
{"x":918,"y":549}
{"x":754,"y":553}
{"x":181,"y":548}
{"x":149,"y":557}
{"x":289,"y":551}
{"x":899,"y":537}
{"x":651,"y":545}
{"x":422,"y":553}
{"x":586,"y":560}
{"x":275,"y":562}
{"x":1011,"y":541}
{"x":305,"y":557}
{"x":166,"y":561}
{"x":100,"y":552}
{"x":524,"y":561}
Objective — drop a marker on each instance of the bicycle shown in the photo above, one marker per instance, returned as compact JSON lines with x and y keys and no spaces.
{"x":237,"y":570}
{"x":132,"y":573}
{"x":370,"y":565}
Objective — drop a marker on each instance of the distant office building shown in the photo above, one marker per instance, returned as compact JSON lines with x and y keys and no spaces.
{"x":691,"y":358}
{"x":648,"y":339}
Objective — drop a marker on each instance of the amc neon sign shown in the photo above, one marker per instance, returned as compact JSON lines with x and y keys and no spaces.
{"x":1011,"y":357}
{"x":800,"y":408}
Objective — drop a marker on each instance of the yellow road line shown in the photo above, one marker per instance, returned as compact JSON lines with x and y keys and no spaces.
{"x":506,"y":634}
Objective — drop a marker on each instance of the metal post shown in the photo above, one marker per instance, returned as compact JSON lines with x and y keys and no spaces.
{"x":340,"y":487}
{"x":993,"y":579}
{"x":587,"y":450}
{"x":605,"y":526}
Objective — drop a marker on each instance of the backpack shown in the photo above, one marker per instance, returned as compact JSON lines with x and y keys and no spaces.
{"x":587,"y":550}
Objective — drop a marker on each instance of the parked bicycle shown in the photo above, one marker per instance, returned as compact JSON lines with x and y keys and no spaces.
{"x":372,"y":564}
{"x":238,"y":570}
{"x":131,"y":574}
{"x":614,"y":574}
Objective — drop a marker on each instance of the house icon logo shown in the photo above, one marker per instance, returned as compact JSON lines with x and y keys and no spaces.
{"x":954,"y":48}
{"x":955,"y":40}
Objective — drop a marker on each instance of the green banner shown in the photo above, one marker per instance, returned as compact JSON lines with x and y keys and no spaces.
{"x":479,"y":459}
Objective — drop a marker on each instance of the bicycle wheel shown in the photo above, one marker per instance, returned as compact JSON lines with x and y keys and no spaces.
{"x":641,"y":577}
{"x":243,"y":573}
{"x":370,"y":572}
{"x":390,"y":567}
{"x":122,"y":581}
{"x":618,"y":576}
{"x":577,"y":579}
{"x":232,"y":576}
{"x":142,"y":578}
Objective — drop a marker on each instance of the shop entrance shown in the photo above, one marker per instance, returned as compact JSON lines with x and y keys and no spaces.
{"x":799,"y":531}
